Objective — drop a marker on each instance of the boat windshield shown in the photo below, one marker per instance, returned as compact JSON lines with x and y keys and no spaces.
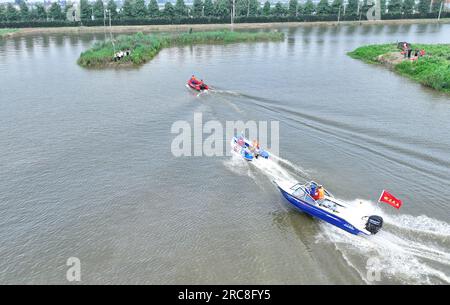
{"x":295,"y":187}
{"x":299,"y":192}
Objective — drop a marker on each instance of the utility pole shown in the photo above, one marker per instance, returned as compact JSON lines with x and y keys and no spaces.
{"x":440,"y":10}
{"x":360,"y":15}
{"x":104,"y":19}
{"x":339,"y":14}
{"x":110,"y":32}
{"x":232,"y":12}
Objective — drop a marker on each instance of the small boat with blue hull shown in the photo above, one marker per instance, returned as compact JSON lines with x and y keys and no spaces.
{"x":348,"y":217}
{"x":248,"y":150}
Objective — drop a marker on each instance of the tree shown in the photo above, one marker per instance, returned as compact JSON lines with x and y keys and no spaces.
{"x":98,"y":9}
{"x":128,"y":9}
{"x":278,"y":10}
{"x":55,"y":12}
{"x":11,"y":13}
{"x":222,"y":8}
{"x":169,"y":11}
{"x":197,"y":8}
{"x":153,"y":9}
{"x":352,"y":7}
{"x":309,"y":8}
{"x":112,"y":8}
{"x":85,"y":9}
{"x":41,"y":13}
{"x":408,"y":6}
{"x":247,"y":7}
{"x":180,"y":8}
{"x":241,"y":7}
{"x":323,"y":8}
{"x":424,"y":6}
{"x":293,"y":8}
{"x":253,"y":7}
{"x":395,"y":7}
{"x":383,"y":6}
{"x":2,"y":13}
{"x":140,"y":9}
{"x":208,"y":8}
{"x":266,"y":9}
{"x":337,"y":5}
{"x":24,"y":10}
{"x":436,"y":6}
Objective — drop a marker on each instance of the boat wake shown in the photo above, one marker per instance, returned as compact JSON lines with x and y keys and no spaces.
{"x":275,"y":168}
{"x":409,"y":249}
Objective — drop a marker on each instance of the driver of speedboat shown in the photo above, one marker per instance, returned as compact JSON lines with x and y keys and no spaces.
{"x":313,"y":190}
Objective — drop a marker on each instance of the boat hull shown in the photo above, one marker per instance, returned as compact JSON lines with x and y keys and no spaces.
{"x":198,"y":86}
{"x":314,"y":211}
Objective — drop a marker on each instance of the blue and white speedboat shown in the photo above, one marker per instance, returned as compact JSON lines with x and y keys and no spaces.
{"x":247,"y":150}
{"x":348,"y":217}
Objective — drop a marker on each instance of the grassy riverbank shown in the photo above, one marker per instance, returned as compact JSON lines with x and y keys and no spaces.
{"x":432,"y":70}
{"x":6,"y":32}
{"x":145,"y":47}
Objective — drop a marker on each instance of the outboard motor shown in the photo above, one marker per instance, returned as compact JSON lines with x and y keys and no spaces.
{"x":374,"y":224}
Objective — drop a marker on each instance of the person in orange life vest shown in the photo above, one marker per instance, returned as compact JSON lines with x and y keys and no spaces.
{"x":254,"y":148}
{"x":320,"y":193}
{"x":315,"y":192}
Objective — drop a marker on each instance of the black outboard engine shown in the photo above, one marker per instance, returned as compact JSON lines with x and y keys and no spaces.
{"x":374,"y":224}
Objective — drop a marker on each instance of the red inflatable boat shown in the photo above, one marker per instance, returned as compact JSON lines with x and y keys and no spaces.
{"x":197,"y":84}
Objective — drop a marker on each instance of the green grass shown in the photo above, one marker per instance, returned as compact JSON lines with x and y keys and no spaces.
{"x":432,"y":70}
{"x":145,"y":47}
{"x":370,"y":53}
{"x":4,"y":32}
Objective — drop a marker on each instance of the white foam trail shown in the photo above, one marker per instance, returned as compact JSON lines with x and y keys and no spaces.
{"x":296,"y":168}
{"x":228,"y":92}
{"x":239,"y":166}
{"x":421,"y":224}
{"x":272,"y":169}
{"x":404,"y":257}
{"x":236,"y":108}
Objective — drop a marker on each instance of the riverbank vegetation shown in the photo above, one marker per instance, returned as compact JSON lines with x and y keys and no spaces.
{"x":5,"y":32}
{"x":144,"y":47}
{"x":432,"y":70}
{"x":137,"y":12}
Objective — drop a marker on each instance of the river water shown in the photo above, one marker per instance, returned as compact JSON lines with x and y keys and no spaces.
{"x":87,"y":169}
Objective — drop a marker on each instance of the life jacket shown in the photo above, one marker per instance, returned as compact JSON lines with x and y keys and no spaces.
{"x":321,"y":194}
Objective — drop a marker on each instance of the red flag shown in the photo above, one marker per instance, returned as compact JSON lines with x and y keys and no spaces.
{"x":388,"y":198}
